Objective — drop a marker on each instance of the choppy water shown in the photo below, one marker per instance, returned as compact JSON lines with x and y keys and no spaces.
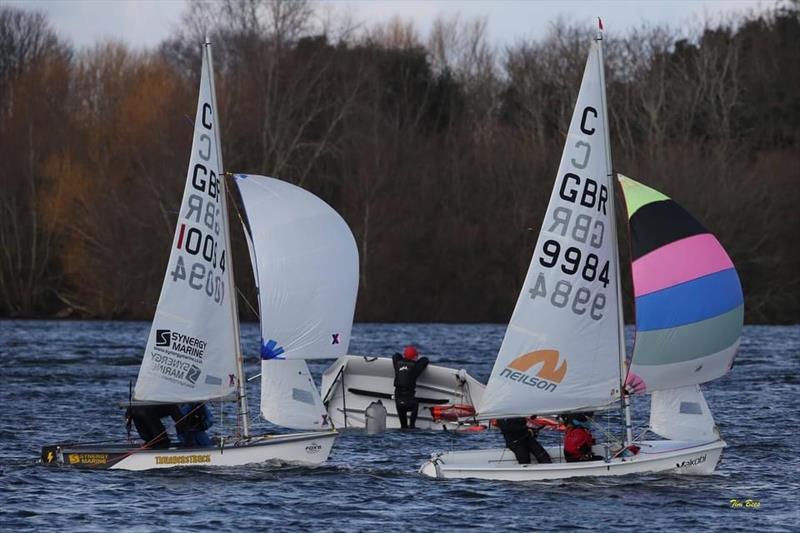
{"x":61,"y":380}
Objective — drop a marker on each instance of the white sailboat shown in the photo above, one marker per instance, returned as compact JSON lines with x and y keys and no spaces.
{"x":353,"y":382}
{"x":564,"y":347}
{"x":306,"y":264}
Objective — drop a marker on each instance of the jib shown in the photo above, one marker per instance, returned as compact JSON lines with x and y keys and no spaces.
{"x":590,"y":195}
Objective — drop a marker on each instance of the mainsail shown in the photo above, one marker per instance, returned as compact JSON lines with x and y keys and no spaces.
{"x":193,"y":344}
{"x":689,"y":303}
{"x":305,"y":261}
{"x":561,"y":349}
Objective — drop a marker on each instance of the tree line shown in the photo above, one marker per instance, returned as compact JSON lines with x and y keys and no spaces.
{"x":439,"y":151}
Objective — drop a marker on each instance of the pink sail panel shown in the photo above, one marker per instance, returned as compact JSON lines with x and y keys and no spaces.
{"x":678,"y":262}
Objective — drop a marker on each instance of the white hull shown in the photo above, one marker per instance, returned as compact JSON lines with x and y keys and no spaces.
{"x":311,"y":448}
{"x":373,"y":379}
{"x":654,"y":456}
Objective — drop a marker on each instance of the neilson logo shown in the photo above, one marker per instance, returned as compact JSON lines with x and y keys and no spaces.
{"x":549,"y":375}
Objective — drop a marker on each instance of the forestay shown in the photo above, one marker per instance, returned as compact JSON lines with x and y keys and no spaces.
{"x":689,"y":302}
{"x":192,"y":347}
{"x":561,"y":348}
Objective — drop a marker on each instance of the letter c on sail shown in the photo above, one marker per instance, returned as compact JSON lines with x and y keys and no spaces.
{"x":549,"y":358}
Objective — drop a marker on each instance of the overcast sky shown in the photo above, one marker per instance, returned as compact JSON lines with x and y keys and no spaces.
{"x":146,"y":22}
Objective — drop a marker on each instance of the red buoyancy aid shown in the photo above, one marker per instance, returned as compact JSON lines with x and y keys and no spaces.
{"x":578,"y":444}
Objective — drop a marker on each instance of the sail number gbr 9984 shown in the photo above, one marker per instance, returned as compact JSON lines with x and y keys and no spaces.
{"x":573,"y":271}
{"x":199,"y":223}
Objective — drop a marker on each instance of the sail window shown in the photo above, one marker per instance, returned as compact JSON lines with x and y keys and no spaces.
{"x":691,"y":408}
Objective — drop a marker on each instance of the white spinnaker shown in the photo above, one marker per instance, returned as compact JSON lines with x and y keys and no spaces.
{"x":191,"y":350}
{"x":306,"y":262}
{"x":289,"y":397}
{"x":682,"y":414}
{"x":561,"y":348}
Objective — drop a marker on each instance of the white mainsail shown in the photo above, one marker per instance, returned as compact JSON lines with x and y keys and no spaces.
{"x":561,"y":349}
{"x":305,"y":261}
{"x":191,"y":353}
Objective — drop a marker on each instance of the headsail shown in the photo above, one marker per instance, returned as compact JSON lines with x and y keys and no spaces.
{"x":561,"y":348}
{"x":306,"y":265}
{"x":289,"y":396}
{"x":682,"y":414}
{"x":689,"y":302}
{"x":192,"y":347}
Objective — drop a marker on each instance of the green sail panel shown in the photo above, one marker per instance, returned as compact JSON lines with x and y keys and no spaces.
{"x":638,"y":195}
{"x":692,"y":341}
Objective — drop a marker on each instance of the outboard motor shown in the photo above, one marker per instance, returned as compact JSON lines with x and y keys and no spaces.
{"x":376,"y":418}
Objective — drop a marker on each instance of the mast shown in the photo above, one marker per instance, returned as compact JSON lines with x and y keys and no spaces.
{"x":241,"y":383}
{"x":626,"y":408}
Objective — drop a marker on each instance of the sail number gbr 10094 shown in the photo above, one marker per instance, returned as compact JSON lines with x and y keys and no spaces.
{"x":200,"y":276}
{"x":199,"y":226}
{"x":571,"y":262}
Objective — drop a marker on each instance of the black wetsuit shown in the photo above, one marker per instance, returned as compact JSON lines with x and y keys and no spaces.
{"x":147,"y":419}
{"x":522,"y":441}
{"x":406,"y":373}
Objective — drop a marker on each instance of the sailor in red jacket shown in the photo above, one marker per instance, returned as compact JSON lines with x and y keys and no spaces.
{"x":578,"y":439}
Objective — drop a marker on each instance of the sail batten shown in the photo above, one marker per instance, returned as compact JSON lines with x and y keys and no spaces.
{"x":689,"y":301}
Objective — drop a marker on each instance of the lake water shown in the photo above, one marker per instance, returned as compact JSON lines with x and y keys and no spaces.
{"x":60,"y":381}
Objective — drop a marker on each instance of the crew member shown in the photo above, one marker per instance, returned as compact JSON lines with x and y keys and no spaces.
{"x":578,"y":439}
{"x":521,"y":440}
{"x":407,"y":368}
{"x":196,"y":419}
{"x":191,"y":421}
{"x":147,"y":419}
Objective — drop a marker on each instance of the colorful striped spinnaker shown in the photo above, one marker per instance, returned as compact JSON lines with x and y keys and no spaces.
{"x":689,"y":303}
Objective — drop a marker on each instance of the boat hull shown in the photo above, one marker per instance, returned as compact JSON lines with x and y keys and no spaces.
{"x":699,"y":458}
{"x":352,"y":382}
{"x":312,"y":448}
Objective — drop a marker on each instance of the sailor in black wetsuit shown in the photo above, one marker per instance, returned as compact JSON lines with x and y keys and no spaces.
{"x":191,"y":421}
{"x":407,"y":368}
{"x":521,"y":440}
{"x":147,"y":419}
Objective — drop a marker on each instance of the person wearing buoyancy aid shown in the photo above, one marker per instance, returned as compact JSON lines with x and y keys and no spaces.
{"x":195,"y":420}
{"x":578,"y":439}
{"x":147,"y":419}
{"x":407,"y":368}
{"x":191,"y":421}
{"x":521,"y":439}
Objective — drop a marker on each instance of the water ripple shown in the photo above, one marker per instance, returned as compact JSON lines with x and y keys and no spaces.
{"x":61,"y":381}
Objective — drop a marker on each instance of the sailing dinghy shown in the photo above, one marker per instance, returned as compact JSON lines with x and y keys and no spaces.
{"x":306,"y":266}
{"x":353,"y":382}
{"x":564,"y":347}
